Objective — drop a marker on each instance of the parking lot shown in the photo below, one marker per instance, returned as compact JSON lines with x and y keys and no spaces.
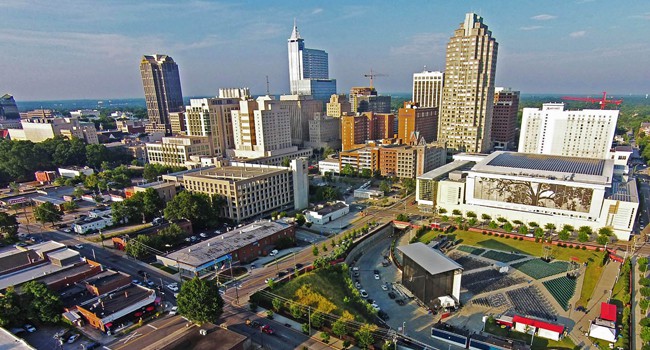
{"x":416,"y":319}
{"x":43,"y":338}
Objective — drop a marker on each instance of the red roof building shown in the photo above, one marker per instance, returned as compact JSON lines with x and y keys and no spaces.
{"x":608,"y":312}
{"x":541,"y":328}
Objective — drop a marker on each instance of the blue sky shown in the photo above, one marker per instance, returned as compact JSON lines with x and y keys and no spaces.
{"x":91,"y":49}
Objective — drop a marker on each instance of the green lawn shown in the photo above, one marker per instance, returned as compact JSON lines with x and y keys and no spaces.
{"x":427,"y":237}
{"x":593,"y":259}
{"x":165,"y":268}
{"x":538,"y":343}
{"x":330,"y":284}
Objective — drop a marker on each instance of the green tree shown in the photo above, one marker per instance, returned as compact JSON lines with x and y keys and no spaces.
{"x":564,"y":235}
{"x":606,"y":231}
{"x":442,"y":210}
{"x":456,"y":212}
{"x":502,"y":220}
{"x":523,"y":229}
{"x":367,"y":173}
{"x":533,"y":224}
{"x":195,"y":207}
{"x":10,"y":312}
{"x":78,"y":192}
{"x":408,"y":184}
{"x":300,"y":219}
{"x":317,"y":320}
{"x":569,"y":228}
{"x":508,"y":227}
{"x":517,"y":222}
{"x":314,"y":250}
{"x":348,"y":170}
{"x":539,"y":232}
{"x":493,"y":225}
{"x":402,"y":217}
{"x":70,"y":206}
{"x":136,"y":247}
{"x":602,"y":239}
{"x":339,"y":328}
{"x":42,"y":304}
{"x":583,"y":236}
{"x":277,"y":304}
{"x":47,"y":212}
{"x":328,"y":152}
{"x":152,"y":171}
{"x":199,"y":300}
{"x":286,"y":162}
{"x":364,"y":336}
{"x":8,"y":225}
{"x":296,"y":311}
{"x":471,"y":214}
{"x":550,"y":227}
{"x":385,"y":186}
{"x":152,"y":204}
{"x":645,"y":334}
{"x":96,"y":154}
{"x":486,"y":217}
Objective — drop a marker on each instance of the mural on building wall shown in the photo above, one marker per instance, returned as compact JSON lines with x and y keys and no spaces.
{"x":534,"y":194}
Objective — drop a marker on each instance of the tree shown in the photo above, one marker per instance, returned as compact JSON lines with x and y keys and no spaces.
{"x":286,"y":162}
{"x":300,"y":219}
{"x":339,"y":328}
{"x":96,"y":154}
{"x":196,"y":207}
{"x":533,"y":224}
{"x":47,"y":212}
{"x":486,"y":217}
{"x":152,"y":204}
{"x":508,"y":227}
{"x":550,"y":227}
{"x":15,"y":188}
{"x":42,"y":304}
{"x":606,"y":231}
{"x":502,"y":220}
{"x":78,"y":192}
{"x":314,"y":250}
{"x":385,"y":186}
{"x":442,"y":211}
{"x":408,"y":184}
{"x":493,"y":225}
{"x":367,"y":173}
{"x":471,"y":214}
{"x":364,"y":336}
{"x":524,"y":230}
{"x":70,"y":206}
{"x":645,"y":334}
{"x":583,"y":237}
{"x":517,"y":222}
{"x":402,"y":217}
{"x":136,"y":247}
{"x":348,"y":170}
{"x":602,"y":239}
{"x":569,"y":228}
{"x":10,"y":312}
{"x":152,"y":171}
{"x":8,"y":225}
{"x":456,"y":212}
{"x":564,"y":235}
{"x":295,"y":310}
{"x":277,"y":304}
{"x":328,"y":152}
{"x":539,"y":232}
{"x":317,"y":320}
{"x":199,"y":300}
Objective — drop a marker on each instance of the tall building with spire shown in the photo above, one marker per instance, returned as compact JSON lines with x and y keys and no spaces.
{"x":308,"y":69}
{"x":468,"y":92}
{"x":162,"y":88}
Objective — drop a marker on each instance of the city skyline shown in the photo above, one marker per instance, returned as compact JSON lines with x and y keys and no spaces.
{"x":543,"y":49}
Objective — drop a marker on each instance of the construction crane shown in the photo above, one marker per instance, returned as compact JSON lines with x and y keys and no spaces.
{"x":602,"y":101}
{"x":372,"y":75}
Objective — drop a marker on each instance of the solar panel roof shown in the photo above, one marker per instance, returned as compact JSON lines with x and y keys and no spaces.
{"x":544,"y":162}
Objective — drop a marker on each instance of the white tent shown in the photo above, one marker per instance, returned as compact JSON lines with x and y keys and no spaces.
{"x":602,"y":332}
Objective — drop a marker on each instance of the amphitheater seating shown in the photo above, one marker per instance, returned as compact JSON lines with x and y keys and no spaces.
{"x":502,"y":257}
{"x":562,"y":290}
{"x":492,"y":300}
{"x":489,"y":280}
{"x":538,"y":268}
{"x":471,"y":250}
{"x":528,"y":301}
{"x":467,"y":261}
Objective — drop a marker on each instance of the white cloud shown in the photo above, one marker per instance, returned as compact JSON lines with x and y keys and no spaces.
{"x":531,"y":28}
{"x":578,"y":34}
{"x":543,"y":17}
{"x":425,"y":44}
{"x":642,"y":16}
{"x":316,"y":11}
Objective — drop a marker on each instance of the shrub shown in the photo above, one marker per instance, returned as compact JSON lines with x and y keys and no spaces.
{"x":645,"y":291}
{"x":502,"y":235}
{"x":570,"y":245}
{"x":484,"y":233}
{"x":584,"y":248}
{"x":521,"y":238}
{"x":645,"y":322}
{"x":346,"y":343}
{"x":644,"y":282}
{"x":305,"y":328}
{"x":490,"y":233}
{"x":325,"y":337}
{"x":577,"y":246}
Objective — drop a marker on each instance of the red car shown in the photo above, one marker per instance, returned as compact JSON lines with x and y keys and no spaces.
{"x":267,"y":329}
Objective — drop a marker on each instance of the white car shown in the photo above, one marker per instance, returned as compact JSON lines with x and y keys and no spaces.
{"x":150,"y":283}
{"x":376,"y":276}
{"x":203,"y":235}
{"x":173,"y":311}
{"x":29,"y":328}
{"x":384,"y":287}
{"x":173,"y":287}
{"x":73,"y":338}
{"x":375,"y":306}
{"x":79,"y":246}
{"x":363,"y":293}
{"x":357,"y":285}
{"x":67,"y":230}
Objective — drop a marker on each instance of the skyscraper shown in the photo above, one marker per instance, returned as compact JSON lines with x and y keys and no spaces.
{"x":504,"y":118}
{"x":468,"y":92}
{"x":162,"y":88}
{"x":8,"y":108}
{"x":212,"y":117}
{"x":308,"y":70}
{"x":427,"y":88}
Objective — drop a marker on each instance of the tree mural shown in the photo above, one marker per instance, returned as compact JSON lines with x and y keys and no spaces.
{"x":534,"y":194}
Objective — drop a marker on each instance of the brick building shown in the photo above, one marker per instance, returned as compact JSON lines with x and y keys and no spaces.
{"x":504,"y":118}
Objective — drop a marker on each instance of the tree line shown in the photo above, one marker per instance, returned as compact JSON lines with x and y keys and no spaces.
{"x":36,"y":303}
{"x":20,"y":159}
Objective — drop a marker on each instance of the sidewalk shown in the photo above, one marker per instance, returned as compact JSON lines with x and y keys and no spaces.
{"x":600,"y":294}
{"x":636,"y":315}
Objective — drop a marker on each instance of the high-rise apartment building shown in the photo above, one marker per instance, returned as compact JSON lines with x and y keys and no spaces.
{"x":404,"y":161}
{"x":308,"y":69}
{"x":412,"y":118}
{"x":366,"y":99}
{"x":261,"y":128}
{"x":552,"y":130}
{"x":162,"y":88}
{"x":504,"y":118}
{"x":302,"y":109}
{"x":338,"y":106}
{"x":356,"y":130}
{"x":8,"y":108}
{"x":427,"y":88}
{"x":212,"y":117}
{"x":468,"y":91}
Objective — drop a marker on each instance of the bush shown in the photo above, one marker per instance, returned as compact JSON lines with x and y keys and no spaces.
{"x":325,"y":337}
{"x":305,"y":328}
{"x":484,"y":233}
{"x":584,"y":248}
{"x":577,"y":246}
{"x":645,"y":322}
{"x":346,"y":343}
{"x":570,"y":245}
{"x":645,"y":282}
{"x":645,"y":291}
{"x":490,"y":233}
{"x":521,"y":238}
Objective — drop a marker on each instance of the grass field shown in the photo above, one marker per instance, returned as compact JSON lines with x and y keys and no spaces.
{"x":330,"y":284}
{"x":593,"y":258}
{"x":538,"y":343}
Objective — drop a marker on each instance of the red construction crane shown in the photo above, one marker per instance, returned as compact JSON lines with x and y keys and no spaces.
{"x":602,"y":101}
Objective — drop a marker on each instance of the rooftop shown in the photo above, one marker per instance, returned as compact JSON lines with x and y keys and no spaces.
{"x":216,"y":247}
{"x":106,"y":305}
{"x":330,"y":208}
{"x":442,"y":171}
{"x":17,"y":257}
{"x":589,"y":170}
{"x":63,"y":254}
{"x":235,"y":172}
{"x":623,"y":189}
{"x":432,"y":260}
{"x":28,"y":274}
{"x":10,"y":341}
{"x":156,"y":184}
{"x":64,"y":274}
{"x":106,"y":277}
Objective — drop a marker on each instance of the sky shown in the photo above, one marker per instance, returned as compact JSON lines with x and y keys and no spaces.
{"x":68,"y":49}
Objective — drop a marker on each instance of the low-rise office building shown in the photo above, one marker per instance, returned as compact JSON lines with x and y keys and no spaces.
{"x":322,"y":214}
{"x":253,"y":190}
{"x":534,"y":187}
{"x":329,"y":165}
{"x":176,"y":151}
{"x":74,"y":171}
{"x":166,"y":191}
{"x":243,"y":244}
{"x":93,"y":224}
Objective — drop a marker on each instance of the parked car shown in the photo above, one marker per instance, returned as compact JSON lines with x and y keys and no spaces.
{"x":135,"y":282}
{"x":29,"y":328}
{"x":173,"y":311}
{"x":376,"y":276}
{"x":73,"y":338}
{"x":274,"y":252}
{"x":384,"y":287}
{"x":391,"y":295}
{"x":93,"y":345}
{"x":363,"y":293}
{"x":203,"y":235}
{"x":173,"y":287}
{"x":383,"y":315}
{"x":79,"y":246}
{"x":267,"y":329}
{"x":299,"y":266}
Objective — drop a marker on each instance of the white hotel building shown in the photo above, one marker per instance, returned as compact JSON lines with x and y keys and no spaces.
{"x":552,"y":130}
{"x":534,"y":187}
